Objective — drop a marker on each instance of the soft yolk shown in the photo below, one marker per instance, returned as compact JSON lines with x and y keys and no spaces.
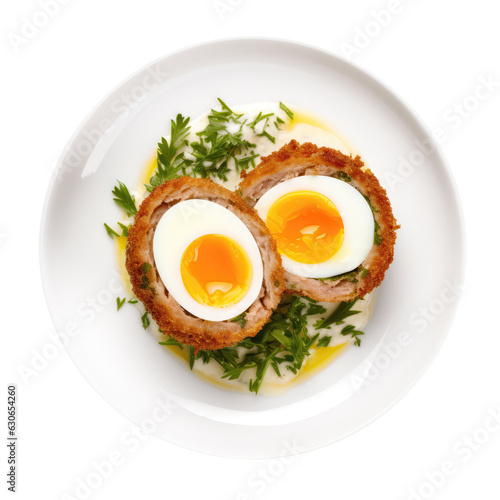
{"x":307,"y":226}
{"x":216,"y":271}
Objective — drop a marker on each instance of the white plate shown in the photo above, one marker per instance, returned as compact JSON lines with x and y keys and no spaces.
{"x":125,"y":364}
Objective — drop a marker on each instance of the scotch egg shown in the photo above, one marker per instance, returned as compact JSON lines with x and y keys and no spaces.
{"x":198,"y":257}
{"x":331,"y":218}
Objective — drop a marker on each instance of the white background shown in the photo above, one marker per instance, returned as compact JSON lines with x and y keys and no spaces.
{"x":433,"y":54}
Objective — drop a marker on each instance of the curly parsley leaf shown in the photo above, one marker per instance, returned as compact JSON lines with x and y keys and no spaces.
{"x":221,"y":142}
{"x":170,"y":161}
{"x":124,"y":199}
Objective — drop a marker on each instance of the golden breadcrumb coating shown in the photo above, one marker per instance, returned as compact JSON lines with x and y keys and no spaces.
{"x":149,"y":289}
{"x":294,"y":160}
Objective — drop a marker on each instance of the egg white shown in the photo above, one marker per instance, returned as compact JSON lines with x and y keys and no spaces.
{"x":182,"y":224}
{"x":356,"y":215}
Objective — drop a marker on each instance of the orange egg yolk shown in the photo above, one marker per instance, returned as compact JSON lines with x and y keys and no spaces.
{"x":216,"y":271}
{"x":307,"y":226}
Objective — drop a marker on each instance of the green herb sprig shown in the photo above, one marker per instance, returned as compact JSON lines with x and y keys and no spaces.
{"x":221,"y":142}
{"x":120,"y":302}
{"x":350,"y":330}
{"x":145,"y":320}
{"x":343,"y":311}
{"x":124,"y":199}
{"x":170,"y":159}
{"x":283,"y":343}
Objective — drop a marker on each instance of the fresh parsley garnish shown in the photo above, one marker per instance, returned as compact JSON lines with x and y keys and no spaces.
{"x":259,"y":118}
{"x":170,"y":159}
{"x":350,"y":330}
{"x":145,"y":320}
{"x":209,"y":156}
{"x":221,"y":141}
{"x":124,"y":229}
{"x":343,"y":311}
{"x":324,"y":342}
{"x":191,"y":356}
{"x":111,"y":232}
{"x":282,"y":344}
{"x":120,"y":302}
{"x":278,"y":122}
{"x":172,"y":342}
{"x":315,"y":309}
{"x":124,"y":199}
{"x":286,"y":110}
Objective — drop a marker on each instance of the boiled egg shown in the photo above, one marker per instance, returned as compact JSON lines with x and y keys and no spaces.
{"x":322,"y":226}
{"x":207,"y":259}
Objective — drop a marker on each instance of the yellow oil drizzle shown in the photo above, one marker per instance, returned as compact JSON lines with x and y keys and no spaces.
{"x":121,"y":242}
{"x":148,"y":171}
{"x":301,"y":117}
{"x":320,"y":357}
{"x":182,"y":353}
{"x":317,"y":360}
